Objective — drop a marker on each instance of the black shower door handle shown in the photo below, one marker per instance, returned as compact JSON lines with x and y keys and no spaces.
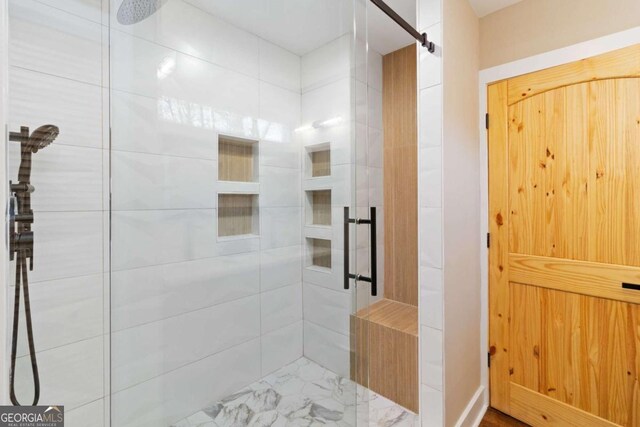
{"x":373,"y":251}
{"x":345,"y":241}
{"x":372,"y":222}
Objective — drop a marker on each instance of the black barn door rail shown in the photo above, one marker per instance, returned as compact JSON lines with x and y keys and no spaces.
{"x":421,"y":37}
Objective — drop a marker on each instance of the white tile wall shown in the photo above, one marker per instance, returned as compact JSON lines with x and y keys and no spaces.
{"x":280,"y":267}
{"x":149,"y":294}
{"x":281,"y":347}
{"x":276,"y":229}
{"x":279,"y":66}
{"x":327,"y":64}
{"x":281,"y":307}
{"x":334,"y":86}
{"x":184,"y":28}
{"x":135,"y":63}
{"x":161,"y":126}
{"x":193,"y":317}
{"x":430,"y":218}
{"x":88,"y":415}
{"x":143,"y":352}
{"x":67,"y":244}
{"x":280,"y":187}
{"x":193,"y":295}
{"x":54,"y":42}
{"x":171,"y":397}
{"x":327,"y":348}
{"x":152,"y":237}
{"x":56,"y":70}
{"x":63,"y":312}
{"x":151,"y":181}
{"x":73,"y":106}
{"x":66,"y":178}
{"x":70,"y":374}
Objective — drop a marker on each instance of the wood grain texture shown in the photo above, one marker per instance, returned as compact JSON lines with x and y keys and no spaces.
{"x":399,"y":100}
{"x":539,"y":410}
{"x":236,"y":214}
{"x":583,"y":277}
{"x":579,"y":350}
{"x":321,"y":207}
{"x":392,"y":314}
{"x":391,"y":368}
{"x":235,"y":159}
{"x":494,"y":418}
{"x":320,"y":163}
{"x":572,"y":192}
{"x":564,"y":187}
{"x":619,"y":63}
{"x":499,"y":250}
{"x":321,"y":253}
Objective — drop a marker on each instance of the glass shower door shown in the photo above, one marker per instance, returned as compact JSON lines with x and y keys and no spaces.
{"x":234,"y":134}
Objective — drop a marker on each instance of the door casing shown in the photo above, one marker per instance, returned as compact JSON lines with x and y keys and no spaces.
{"x":539,"y":62}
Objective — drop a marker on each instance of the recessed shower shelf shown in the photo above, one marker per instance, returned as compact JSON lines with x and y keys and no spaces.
{"x":237,"y":159}
{"x":318,"y":163}
{"x":319,"y":253}
{"x":238,"y":215}
{"x":318,"y":204}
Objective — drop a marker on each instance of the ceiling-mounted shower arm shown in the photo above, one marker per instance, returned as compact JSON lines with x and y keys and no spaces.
{"x":421,"y":37}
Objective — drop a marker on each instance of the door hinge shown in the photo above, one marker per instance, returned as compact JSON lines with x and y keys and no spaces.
{"x":486,"y":121}
{"x":488,"y":240}
{"x":488,"y":359}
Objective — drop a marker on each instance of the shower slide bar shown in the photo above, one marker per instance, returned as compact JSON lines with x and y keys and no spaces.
{"x":373,"y":251}
{"x":422,"y":38}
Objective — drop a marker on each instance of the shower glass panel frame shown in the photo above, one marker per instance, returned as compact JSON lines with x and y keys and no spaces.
{"x":234,"y":148}
{"x":162,"y":288}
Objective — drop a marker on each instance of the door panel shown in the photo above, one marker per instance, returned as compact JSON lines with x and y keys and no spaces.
{"x":577,"y":349}
{"x":564,"y":184}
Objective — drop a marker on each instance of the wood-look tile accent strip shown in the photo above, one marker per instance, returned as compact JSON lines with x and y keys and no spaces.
{"x":321,"y":207}
{"x":399,"y":101}
{"x":320,"y":163}
{"x":321,"y":253}
{"x":235,"y":160}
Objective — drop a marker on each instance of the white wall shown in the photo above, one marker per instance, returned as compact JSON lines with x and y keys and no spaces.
{"x":333,"y":85}
{"x":532,"y":27}
{"x":451,"y":392}
{"x":461,"y":191}
{"x":197,"y":317}
{"x":57,"y":75}
{"x":193,"y":317}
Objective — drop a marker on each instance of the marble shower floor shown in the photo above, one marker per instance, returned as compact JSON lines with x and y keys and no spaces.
{"x":302,"y":393}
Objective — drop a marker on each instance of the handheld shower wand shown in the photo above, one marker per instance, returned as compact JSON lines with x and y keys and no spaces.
{"x":21,"y":242}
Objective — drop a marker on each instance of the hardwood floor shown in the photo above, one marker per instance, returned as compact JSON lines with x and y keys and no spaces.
{"x":495,"y":418}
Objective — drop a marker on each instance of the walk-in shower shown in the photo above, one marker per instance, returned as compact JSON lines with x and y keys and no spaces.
{"x":194,"y":262}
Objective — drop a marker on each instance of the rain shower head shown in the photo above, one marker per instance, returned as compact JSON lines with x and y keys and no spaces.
{"x":134,"y":11}
{"x":42,"y":137}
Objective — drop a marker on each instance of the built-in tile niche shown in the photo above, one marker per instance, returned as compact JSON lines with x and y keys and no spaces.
{"x":319,"y":207}
{"x":237,"y":215}
{"x":319,"y":160}
{"x":319,"y":252}
{"x":237,"y":159}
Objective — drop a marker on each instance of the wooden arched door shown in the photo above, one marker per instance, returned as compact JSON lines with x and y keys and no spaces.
{"x":564,"y":190}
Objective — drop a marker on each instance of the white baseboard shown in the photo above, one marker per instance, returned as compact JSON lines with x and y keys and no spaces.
{"x":475,"y":410}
